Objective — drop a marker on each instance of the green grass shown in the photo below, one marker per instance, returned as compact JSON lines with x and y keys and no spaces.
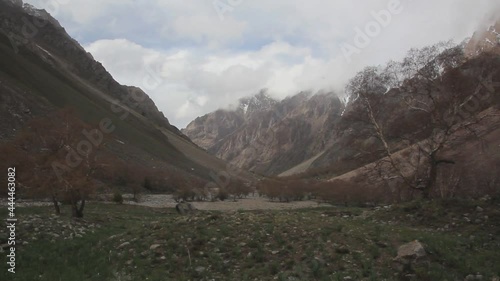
{"x":255,"y":245}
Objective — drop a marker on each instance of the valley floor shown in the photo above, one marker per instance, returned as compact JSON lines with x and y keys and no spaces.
{"x":251,"y":202}
{"x":125,"y":242}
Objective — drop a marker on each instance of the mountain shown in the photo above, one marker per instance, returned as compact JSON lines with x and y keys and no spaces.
{"x":43,"y":69}
{"x":484,"y":40}
{"x":320,"y":135}
{"x":268,"y":136}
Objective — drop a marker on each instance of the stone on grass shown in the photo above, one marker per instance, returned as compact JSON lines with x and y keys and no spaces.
{"x":123,"y":245}
{"x":411,"y":251}
{"x":154,"y":246}
{"x":342,"y":250}
{"x":185,"y":208}
{"x":472,"y":277}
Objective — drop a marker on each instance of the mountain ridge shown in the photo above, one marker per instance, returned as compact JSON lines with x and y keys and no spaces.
{"x":47,"y":69}
{"x":263,"y":137}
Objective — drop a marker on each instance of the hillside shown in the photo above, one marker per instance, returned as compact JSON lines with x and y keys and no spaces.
{"x":48,"y":70}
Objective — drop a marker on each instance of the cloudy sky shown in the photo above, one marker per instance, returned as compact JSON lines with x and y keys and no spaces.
{"x":194,"y":56}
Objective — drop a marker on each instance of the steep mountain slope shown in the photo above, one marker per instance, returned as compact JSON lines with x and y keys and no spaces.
{"x":42,"y":68}
{"x":267,"y":136}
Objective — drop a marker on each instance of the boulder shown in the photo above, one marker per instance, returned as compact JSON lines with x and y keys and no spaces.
{"x":411,"y":251}
{"x":185,"y":208}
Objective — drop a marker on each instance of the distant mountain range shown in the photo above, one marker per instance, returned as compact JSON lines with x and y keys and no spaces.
{"x":268,"y":136}
{"x":311,"y":132}
{"x":315,"y":133}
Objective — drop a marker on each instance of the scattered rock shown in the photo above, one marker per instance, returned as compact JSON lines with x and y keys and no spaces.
{"x":472,"y":277}
{"x":381,"y":244}
{"x":125,"y":244}
{"x":479,"y":209}
{"x":200,"y":269}
{"x":154,"y":247}
{"x":486,"y":198}
{"x":342,"y":250}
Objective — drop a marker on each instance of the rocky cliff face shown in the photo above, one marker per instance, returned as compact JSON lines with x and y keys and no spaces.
{"x":265,"y":135}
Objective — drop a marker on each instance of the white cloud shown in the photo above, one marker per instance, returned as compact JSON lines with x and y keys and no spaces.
{"x":205,"y":63}
{"x":204,"y":28}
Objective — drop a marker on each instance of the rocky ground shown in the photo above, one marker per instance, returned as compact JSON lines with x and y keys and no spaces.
{"x":414,"y":241}
{"x":48,"y":228}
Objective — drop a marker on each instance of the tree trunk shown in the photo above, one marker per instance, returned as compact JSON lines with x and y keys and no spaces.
{"x":56,"y":205}
{"x":426,"y":192}
{"x":434,"y":163}
{"x":82,"y":206}
{"x":77,"y":211}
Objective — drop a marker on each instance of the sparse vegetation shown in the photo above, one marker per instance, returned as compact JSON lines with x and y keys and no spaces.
{"x":409,"y":160}
{"x":118,"y":197}
{"x":134,"y":243}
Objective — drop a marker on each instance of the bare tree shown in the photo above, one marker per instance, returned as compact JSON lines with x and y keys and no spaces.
{"x":62,"y":160}
{"x":426,"y":81}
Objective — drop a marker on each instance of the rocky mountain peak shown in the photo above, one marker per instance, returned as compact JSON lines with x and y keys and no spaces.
{"x":484,"y":40}
{"x":257,"y":103}
{"x":40,"y":13}
{"x":266,"y":135}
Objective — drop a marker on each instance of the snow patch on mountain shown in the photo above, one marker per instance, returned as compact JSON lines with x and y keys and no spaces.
{"x":258,"y":103}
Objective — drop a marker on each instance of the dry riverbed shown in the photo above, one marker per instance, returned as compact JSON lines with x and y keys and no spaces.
{"x":249,"y":203}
